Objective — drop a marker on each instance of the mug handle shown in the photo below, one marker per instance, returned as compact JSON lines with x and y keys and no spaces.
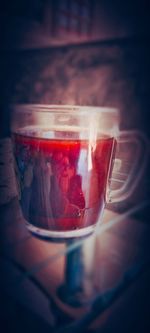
{"x":138,"y":166}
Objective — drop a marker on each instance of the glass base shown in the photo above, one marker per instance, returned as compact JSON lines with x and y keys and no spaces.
{"x":60,"y":235}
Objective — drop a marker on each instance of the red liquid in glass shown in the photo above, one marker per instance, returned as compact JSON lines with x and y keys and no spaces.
{"x":63,"y":181}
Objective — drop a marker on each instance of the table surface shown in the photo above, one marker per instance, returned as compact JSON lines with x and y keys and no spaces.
{"x":33,"y":269}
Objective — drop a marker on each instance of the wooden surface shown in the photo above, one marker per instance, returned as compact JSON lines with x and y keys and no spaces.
{"x":122,"y":244}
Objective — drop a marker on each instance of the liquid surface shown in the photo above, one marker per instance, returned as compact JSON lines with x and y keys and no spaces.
{"x":62,"y":181}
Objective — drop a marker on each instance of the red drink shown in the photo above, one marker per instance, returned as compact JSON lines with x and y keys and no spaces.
{"x":63,"y":180}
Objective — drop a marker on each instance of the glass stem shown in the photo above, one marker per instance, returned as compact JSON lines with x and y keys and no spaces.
{"x":74,"y":269}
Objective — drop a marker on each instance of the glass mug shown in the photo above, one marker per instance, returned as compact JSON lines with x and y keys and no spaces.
{"x":65,"y":156}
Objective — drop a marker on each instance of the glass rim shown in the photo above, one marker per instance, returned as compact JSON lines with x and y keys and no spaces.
{"x":64,"y":108}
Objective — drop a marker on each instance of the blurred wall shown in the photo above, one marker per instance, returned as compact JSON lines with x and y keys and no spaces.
{"x":102,"y":73}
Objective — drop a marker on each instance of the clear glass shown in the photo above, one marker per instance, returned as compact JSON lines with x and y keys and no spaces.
{"x":64,"y":157}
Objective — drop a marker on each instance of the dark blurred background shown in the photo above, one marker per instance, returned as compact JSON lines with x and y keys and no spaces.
{"x":85,"y":52}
